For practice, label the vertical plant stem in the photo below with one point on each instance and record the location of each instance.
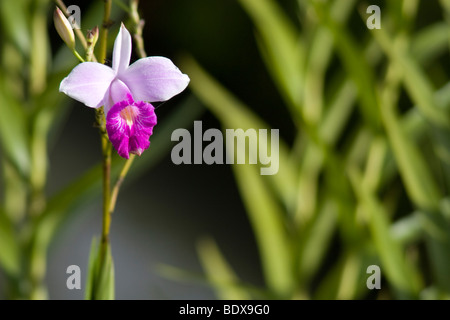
(139, 25)
(106, 146)
(104, 32)
(110, 198)
(119, 182)
(106, 152)
(106, 216)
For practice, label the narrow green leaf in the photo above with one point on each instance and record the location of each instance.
(408, 229)
(49, 111)
(100, 277)
(331, 127)
(445, 4)
(181, 275)
(349, 276)
(315, 239)
(319, 56)
(14, 193)
(415, 127)
(104, 287)
(375, 163)
(9, 248)
(429, 42)
(281, 46)
(437, 236)
(416, 82)
(14, 20)
(354, 62)
(329, 285)
(397, 269)
(440, 261)
(346, 279)
(39, 48)
(219, 272)
(266, 218)
(92, 267)
(413, 169)
(431, 293)
(337, 114)
(13, 131)
(308, 183)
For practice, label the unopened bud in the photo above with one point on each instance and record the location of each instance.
(92, 36)
(64, 28)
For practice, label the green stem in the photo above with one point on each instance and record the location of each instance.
(106, 220)
(106, 193)
(104, 32)
(110, 198)
(139, 26)
(141, 52)
(119, 182)
(75, 52)
(106, 152)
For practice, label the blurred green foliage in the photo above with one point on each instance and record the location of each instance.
(366, 180)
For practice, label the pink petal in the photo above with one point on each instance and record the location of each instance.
(129, 125)
(88, 83)
(117, 92)
(122, 50)
(154, 79)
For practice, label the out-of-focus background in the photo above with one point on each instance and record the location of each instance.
(363, 117)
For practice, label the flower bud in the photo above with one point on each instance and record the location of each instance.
(64, 28)
(92, 36)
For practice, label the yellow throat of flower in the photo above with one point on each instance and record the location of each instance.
(129, 114)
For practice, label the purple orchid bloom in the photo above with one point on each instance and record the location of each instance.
(125, 92)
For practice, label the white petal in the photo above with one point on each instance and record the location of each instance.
(88, 83)
(117, 92)
(154, 79)
(122, 50)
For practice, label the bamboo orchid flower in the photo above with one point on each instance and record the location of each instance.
(126, 91)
